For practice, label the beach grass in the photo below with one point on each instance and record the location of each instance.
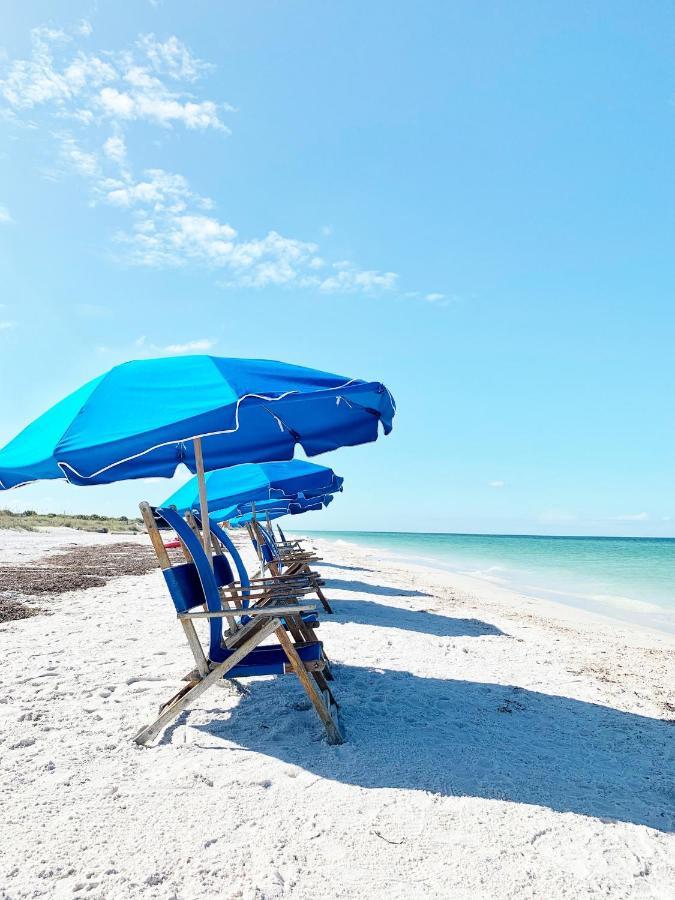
(29, 520)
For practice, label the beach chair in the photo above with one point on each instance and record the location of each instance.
(289, 549)
(277, 564)
(197, 588)
(289, 582)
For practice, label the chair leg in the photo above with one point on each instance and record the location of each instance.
(326, 605)
(319, 593)
(320, 678)
(194, 689)
(304, 569)
(327, 671)
(316, 698)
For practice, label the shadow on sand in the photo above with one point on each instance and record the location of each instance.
(462, 738)
(330, 565)
(368, 612)
(363, 587)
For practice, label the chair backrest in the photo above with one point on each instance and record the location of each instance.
(269, 540)
(227, 543)
(261, 542)
(195, 583)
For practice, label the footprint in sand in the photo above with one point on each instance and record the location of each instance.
(137, 679)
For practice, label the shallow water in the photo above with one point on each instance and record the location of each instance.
(632, 579)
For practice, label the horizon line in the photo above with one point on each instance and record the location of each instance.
(595, 537)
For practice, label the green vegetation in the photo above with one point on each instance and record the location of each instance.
(29, 520)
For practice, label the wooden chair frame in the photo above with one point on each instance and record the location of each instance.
(297, 564)
(267, 612)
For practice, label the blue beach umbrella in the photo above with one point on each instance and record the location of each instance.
(295, 479)
(272, 509)
(144, 418)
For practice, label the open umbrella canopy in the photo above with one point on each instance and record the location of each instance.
(141, 419)
(295, 479)
(274, 509)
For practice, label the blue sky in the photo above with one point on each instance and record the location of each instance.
(472, 203)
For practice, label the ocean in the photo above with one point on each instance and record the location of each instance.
(631, 579)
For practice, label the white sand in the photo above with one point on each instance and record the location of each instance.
(497, 747)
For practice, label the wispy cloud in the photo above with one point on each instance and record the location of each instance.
(630, 517)
(435, 298)
(7, 326)
(496, 483)
(165, 222)
(5, 217)
(116, 149)
(144, 347)
(201, 346)
(144, 82)
(349, 279)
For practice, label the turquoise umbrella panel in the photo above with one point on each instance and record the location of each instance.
(252, 481)
(140, 419)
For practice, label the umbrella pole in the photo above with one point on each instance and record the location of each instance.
(255, 532)
(203, 502)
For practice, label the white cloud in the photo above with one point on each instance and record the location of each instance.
(39, 81)
(350, 279)
(172, 58)
(496, 484)
(146, 348)
(7, 326)
(201, 346)
(5, 217)
(165, 225)
(120, 87)
(84, 163)
(116, 149)
(153, 104)
(630, 517)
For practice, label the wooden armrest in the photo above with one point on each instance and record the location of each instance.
(232, 594)
(281, 580)
(288, 610)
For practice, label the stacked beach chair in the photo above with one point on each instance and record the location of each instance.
(242, 614)
(293, 559)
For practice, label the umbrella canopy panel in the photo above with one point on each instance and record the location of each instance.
(257, 481)
(141, 419)
(273, 509)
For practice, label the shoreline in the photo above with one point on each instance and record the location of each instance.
(566, 605)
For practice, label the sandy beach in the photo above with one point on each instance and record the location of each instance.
(496, 746)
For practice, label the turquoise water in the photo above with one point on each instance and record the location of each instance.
(632, 579)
